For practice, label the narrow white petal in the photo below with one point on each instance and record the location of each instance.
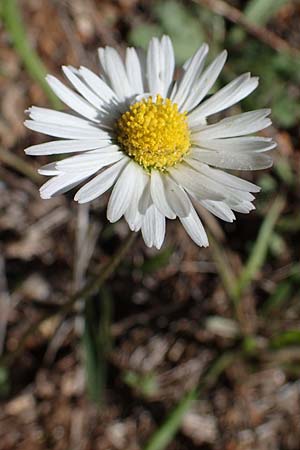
(194, 228)
(153, 67)
(116, 73)
(85, 161)
(221, 182)
(232, 93)
(122, 193)
(62, 183)
(57, 117)
(134, 72)
(205, 82)
(98, 85)
(66, 146)
(167, 63)
(159, 195)
(238, 125)
(223, 177)
(237, 144)
(71, 99)
(177, 198)
(132, 215)
(66, 131)
(219, 209)
(82, 88)
(243, 207)
(201, 186)
(193, 68)
(226, 160)
(101, 183)
(49, 170)
(153, 227)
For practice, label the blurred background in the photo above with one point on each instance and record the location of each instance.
(185, 348)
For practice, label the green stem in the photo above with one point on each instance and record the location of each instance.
(34, 66)
(15, 162)
(165, 434)
(260, 248)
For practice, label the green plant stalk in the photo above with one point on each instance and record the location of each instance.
(96, 343)
(224, 267)
(167, 431)
(14, 25)
(165, 434)
(260, 248)
(15, 162)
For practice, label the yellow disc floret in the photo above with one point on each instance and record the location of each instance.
(154, 134)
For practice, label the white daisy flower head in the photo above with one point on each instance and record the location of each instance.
(150, 138)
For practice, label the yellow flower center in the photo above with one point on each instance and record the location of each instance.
(154, 134)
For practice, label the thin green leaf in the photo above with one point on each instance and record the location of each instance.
(260, 248)
(167, 431)
(165, 434)
(291, 337)
(97, 343)
(34, 66)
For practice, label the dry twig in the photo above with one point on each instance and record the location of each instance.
(261, 33)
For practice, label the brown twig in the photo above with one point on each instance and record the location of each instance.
(236, 16)
(102, 274)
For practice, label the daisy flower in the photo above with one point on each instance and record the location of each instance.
(151, 139)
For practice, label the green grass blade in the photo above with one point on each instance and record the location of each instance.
(165, 434)
(14, 25)
(167, 431)
(260, 248)
(96, 342)
(224, 267)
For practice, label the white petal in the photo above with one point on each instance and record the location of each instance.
(205, 83)
(238, 125)
(115, 72)
(219, 209)
(71, 99)
(57, 117)
(158, 194)
(101, 183)
(237, 144)
(193, 68)
(226, 160)
(88, 160)
(153, 227)
(153, 67)
(66, 131)
(235, 91)
(132, 215)
(82, 88)
(177, 198)
(62, 183)
(49, 170)
(201, 186)
(194, 228)
(224, 178)
(122, 193)
(134, 72)
(160, 65)
(167, 61)
(244, 207)
(98, 85)
(68, 146)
